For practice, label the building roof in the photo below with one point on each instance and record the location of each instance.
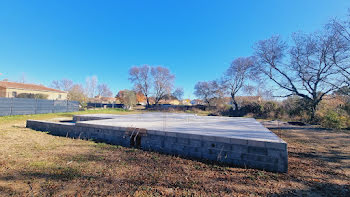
(26, 86)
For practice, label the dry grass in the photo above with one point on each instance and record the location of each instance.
(38, 164)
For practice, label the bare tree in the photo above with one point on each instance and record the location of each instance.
(236, 76)
(308, 70)
(178, 93)
(23, 78)
(63, 84)
(55, 84)
(163, 82)
(77, 93)
(141, 78)
(104, 91)
(90, 86)
(207, 91)
(342, 28)
(66, 84)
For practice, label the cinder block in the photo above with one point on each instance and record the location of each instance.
(234, 155)
(78, 129)
(170, 140)
(194, 152)
(195, 143)
(239, 148)
(224, 146)
(256, 143)
(257, 150)
(90, 130)
(179, 149)
(277, 153)
(162, 133)
(238, 141)
(223, 139)
(212, 154)
(156, 138)
(94, 135)
(168, 146)
(170, 134)
(274, 153)
(276, 145)
(183, 135)
(145, 144)
(184, 141)
(195, 137)
(208, 138)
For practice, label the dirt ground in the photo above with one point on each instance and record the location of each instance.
(35, 163)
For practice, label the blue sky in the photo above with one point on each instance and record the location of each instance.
(196, 40)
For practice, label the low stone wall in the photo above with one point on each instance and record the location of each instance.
(87, 118)
(270, 156)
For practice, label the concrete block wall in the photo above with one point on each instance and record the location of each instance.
(270, 156)
(87, 118)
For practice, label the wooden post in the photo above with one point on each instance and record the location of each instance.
(11, 106)
(36, 106)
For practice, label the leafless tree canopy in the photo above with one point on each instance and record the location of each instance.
(207, 90)
(342, 28)
(91, 86)
(163, 82)
(178, 93)
(236, 76)
(63, 84)
(141, 78)
(104, 91)
(309, 68)
(147, 79)
(23, 78)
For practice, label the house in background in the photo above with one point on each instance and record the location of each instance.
(14, 89)
(186, 102)
(101, 99)
(197, 102)
(243, 99)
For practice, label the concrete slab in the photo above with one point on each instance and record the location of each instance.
(226, 127)
(238, 141)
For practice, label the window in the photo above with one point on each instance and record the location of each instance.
(14, 94)
(59, 96)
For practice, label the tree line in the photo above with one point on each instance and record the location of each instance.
(310, 67)
(80, 92)
(149, 83)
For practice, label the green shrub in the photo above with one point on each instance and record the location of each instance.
(333, 120)
(346, 108)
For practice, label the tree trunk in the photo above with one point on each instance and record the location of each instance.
(312, 114)
(313, 105)
(234, 102)
(208, 102)
(147, 105)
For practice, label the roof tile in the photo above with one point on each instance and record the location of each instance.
(26, 86)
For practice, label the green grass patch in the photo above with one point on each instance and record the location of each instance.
(17, 118)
